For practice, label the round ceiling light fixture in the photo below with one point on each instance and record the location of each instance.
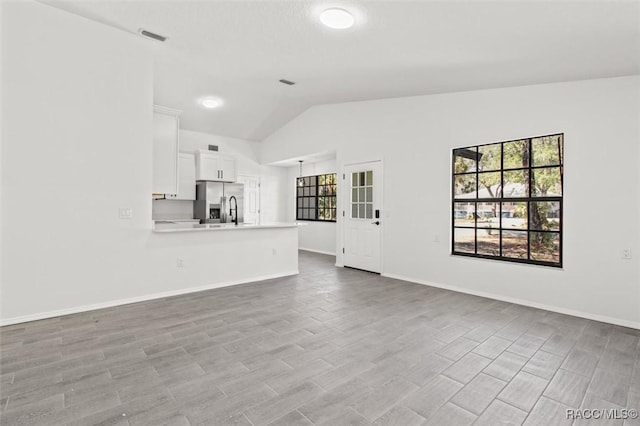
(337, 18)
(211, 103)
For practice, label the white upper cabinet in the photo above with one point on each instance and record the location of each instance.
(228, 169)
(215, 167)
(165, 150)
(186, 177)
(207, 166)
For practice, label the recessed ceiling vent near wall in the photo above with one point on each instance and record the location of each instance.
(287, 82)
(151, 35)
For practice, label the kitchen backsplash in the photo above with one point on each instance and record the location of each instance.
(172, 209)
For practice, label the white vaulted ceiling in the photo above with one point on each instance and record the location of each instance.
(238, 50)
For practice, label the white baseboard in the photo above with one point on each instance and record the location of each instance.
(112, 303)
(558, 309)
(317, 251)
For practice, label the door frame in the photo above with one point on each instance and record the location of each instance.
(345, 199)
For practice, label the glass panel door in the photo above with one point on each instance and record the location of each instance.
(362, 195)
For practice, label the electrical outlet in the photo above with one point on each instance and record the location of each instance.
(274, 251)
(180, 263)
(125, 213)
(436, 238)
(626, 253)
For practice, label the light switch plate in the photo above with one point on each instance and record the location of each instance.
(125, 213)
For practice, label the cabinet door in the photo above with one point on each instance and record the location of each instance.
(227, 169)
(187, 177)
(165, 153)
(207, 167)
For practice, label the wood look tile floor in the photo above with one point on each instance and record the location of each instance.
(331, 346)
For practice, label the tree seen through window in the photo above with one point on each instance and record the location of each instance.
(316, 198)
(507, 200)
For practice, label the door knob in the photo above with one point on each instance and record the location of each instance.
(377, 222)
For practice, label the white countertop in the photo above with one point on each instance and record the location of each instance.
(184, 226)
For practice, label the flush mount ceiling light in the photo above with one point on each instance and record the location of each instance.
(211, 103)
(337, 18)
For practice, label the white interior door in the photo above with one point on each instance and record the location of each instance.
(363, 216)
(251, 198)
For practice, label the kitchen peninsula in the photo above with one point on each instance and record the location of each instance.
(207, 256)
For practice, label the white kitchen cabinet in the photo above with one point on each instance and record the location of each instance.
(186, 177)
(215, 167)
(165, 150)
(228, 169)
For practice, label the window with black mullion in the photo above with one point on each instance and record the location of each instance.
(507, 200)
(316, 198)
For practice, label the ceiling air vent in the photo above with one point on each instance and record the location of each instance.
(287, 82)
(149, 34)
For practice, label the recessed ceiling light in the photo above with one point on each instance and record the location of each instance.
(337, 18)
(211, 103)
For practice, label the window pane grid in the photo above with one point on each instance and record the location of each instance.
(507, 200)
(362, 195)
(316, 198)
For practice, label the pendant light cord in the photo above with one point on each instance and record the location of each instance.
(300, 183)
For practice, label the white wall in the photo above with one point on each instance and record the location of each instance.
(2, 137)
(414, 137)
(313, 236)
(76, 116)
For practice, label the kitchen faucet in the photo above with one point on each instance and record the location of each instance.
(231, 209)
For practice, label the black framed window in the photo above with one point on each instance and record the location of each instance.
(316, 198)
(507, 200)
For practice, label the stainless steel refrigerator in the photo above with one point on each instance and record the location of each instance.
(213, 203)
